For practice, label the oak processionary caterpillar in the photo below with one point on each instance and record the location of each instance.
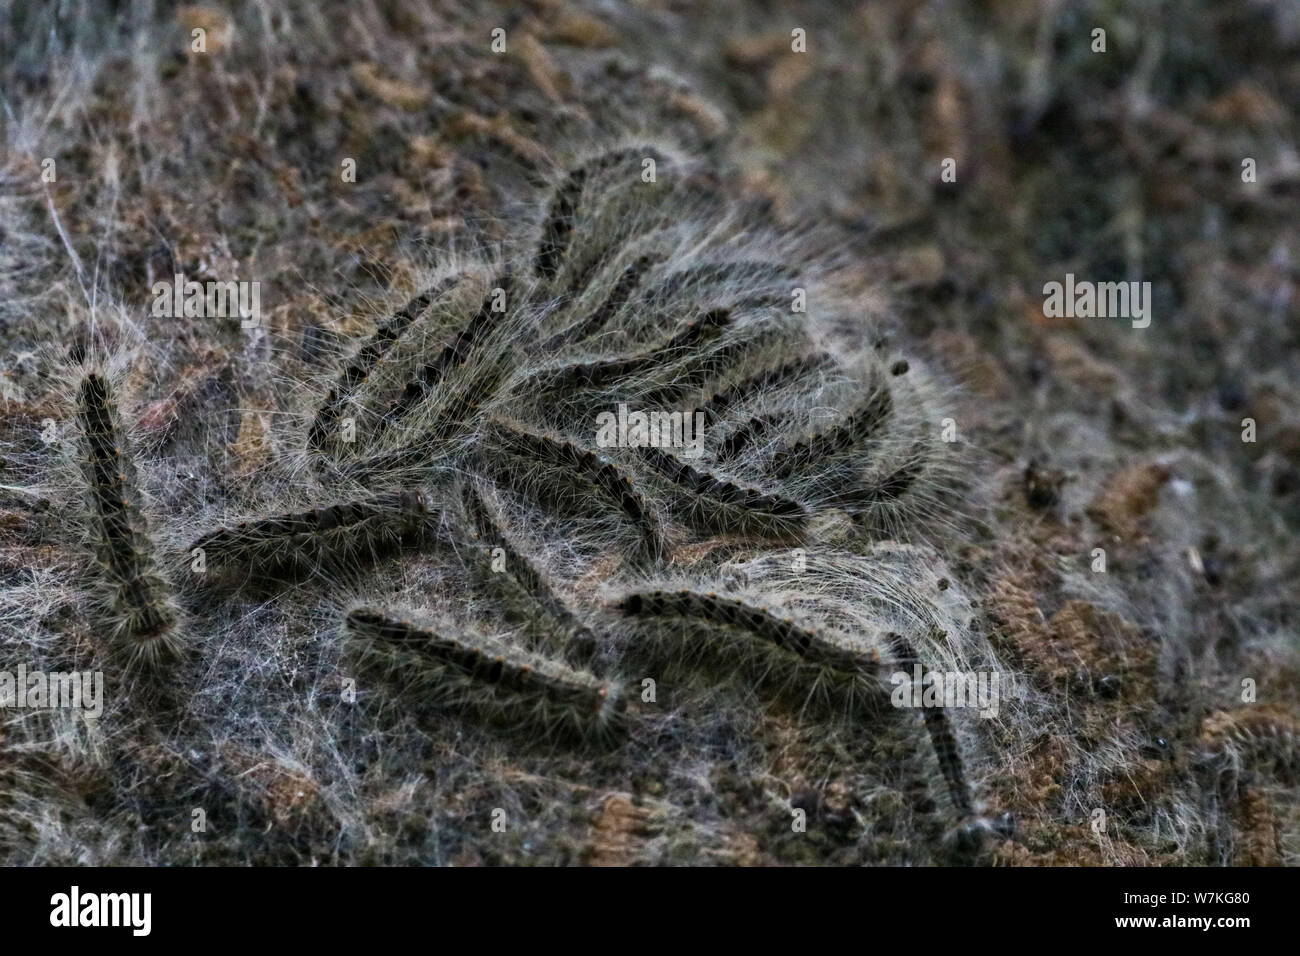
(695, 371)
(883, 488)
(937, 726)
(627, 282)
(555, 483)
(575, 640)
(559, 225)
(811, 667)
(857, 429)
(140, 606)
(498, 683)
(562, 219)
(595, 375)
(633, 293)
(293, 543)
(364, 362)
(762, 383)
(454, 354)
(717, 504)
(1264, 738)
(747, 273)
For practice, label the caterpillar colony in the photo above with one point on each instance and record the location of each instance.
(497, 566)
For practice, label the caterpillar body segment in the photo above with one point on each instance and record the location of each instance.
(557, 231)
(748, 435)
(1259, 737)
(596, 208)
(559, 473)
(588, 376)
(574, 639)
(359, 369)
(884, 488)
(480, 328)
(142, 616)
(595, 321)
(718, 504)
(811, 668)
(463, 400)
(909, 488)
(443, 429)
(738, 284)
(693, 372)
(491, 680)
(335, 535)
(939, 728)
(762, 384)
(858, 428)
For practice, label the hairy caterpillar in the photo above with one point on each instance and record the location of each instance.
(746, 435)
(141, 610)
(558, 228)
(561, 462)
(565, 211)
(575, 638)
(498, 683)
(370, 354)
(891, 485)
(1267, 738)
(771, 650)
(453, 355)
(762, 383)
(607, 243)
(720, 505)
(600, 316)
(876, 500)
(293, 543)
(856, 429)
(695, 371)
(759, 385)
(592, 375)
(941, 735)
(429, 439)
(463, 404)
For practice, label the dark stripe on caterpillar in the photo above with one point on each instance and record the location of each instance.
(453, 355)
(498, 683)
(745, 436)
(577, 640)
(140, 606)
(357, 370)
(563, 460)
(707, 366)
(591, 375)
(773, 650)
(621, 291)
(744, 274)
(859, 427)
(941, 735)
(889, 487)
(296, 542)
(721, 505)
(561, 217)
(762, 383)
(558, 229)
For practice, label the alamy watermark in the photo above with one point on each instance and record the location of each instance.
(625, 429)
(191, 299)
(949, 689)
(39, 691)
(1101, 300)
(73, 909)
